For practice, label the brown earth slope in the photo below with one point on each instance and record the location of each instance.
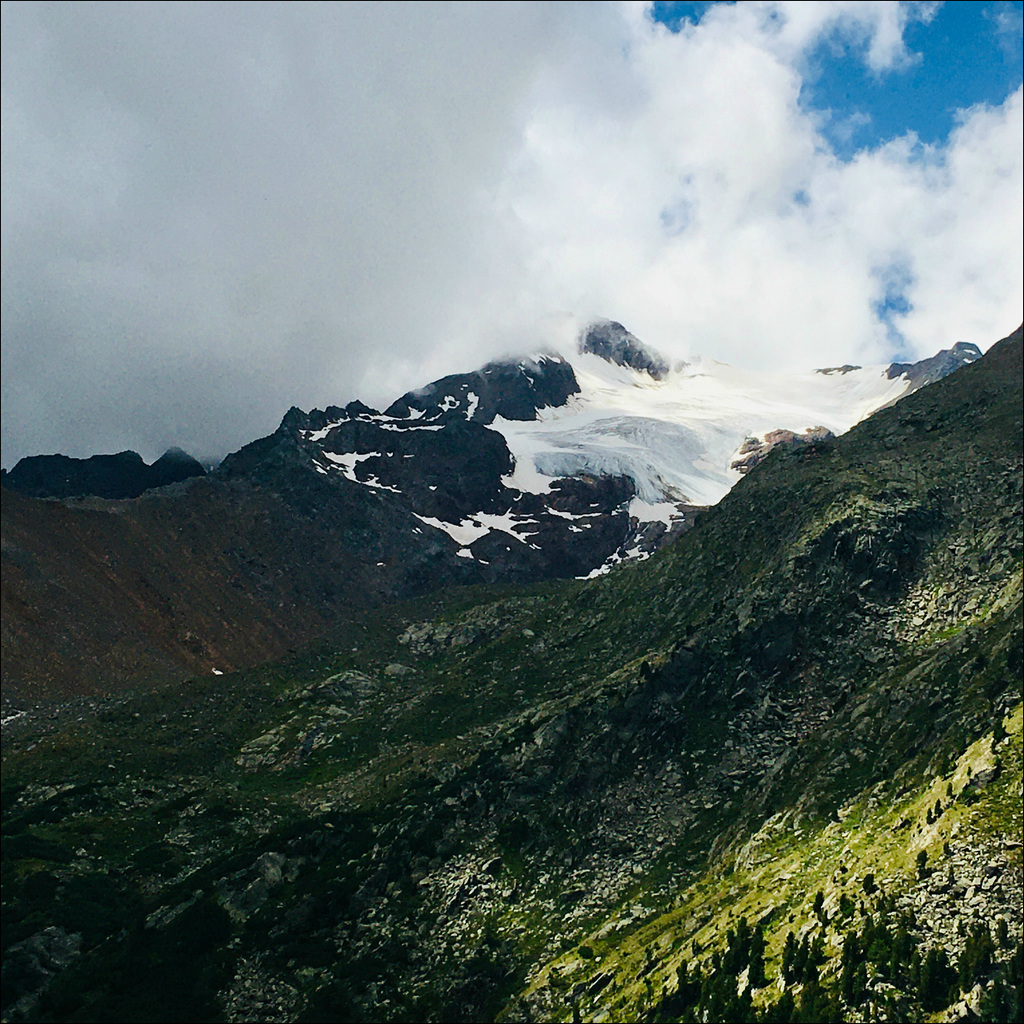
(208, 575)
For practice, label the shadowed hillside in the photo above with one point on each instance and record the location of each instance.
(773, 773)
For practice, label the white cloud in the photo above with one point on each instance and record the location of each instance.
(711, 215)
(211, 214)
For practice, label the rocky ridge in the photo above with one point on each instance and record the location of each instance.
(124, 475)
(523, 471)
(514, 390)
(927, 371)
(611, 341)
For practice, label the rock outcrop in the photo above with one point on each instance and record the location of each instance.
(124, 475)
(611, 341)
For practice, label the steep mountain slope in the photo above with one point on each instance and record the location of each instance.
(522, 471)
(666, 438)
(215, 575)
(584, 800)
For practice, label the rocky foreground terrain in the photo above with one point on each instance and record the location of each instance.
(774, 772)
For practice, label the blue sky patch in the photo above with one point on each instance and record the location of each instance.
(967, 53)
(672, 15)
(895, 280)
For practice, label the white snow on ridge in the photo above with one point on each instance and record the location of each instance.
(374, 482)
(479, 525)
(676, 438)
(319, 435)
(653, 512)
(399, 425)
(463, 533)
(347, 462)
(569, 515)
(506, 523)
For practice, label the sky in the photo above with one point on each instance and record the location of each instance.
(213, 212)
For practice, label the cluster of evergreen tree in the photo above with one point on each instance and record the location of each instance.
(718, 992)
(884, 948)
(1005, 1000)
(801, 960)
(889, 945)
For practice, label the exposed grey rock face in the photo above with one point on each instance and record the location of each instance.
(934, 368)
(754, 450)
(512, 390)
(844, 369)
(611, 341)
(29, 966)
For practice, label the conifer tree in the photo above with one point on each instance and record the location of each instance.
(756, 975)
(789, 953)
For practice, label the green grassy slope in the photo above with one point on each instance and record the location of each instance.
(540, 804)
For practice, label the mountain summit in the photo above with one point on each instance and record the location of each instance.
(610, 340)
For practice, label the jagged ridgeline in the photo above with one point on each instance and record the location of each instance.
(773, 773)
(532, 468)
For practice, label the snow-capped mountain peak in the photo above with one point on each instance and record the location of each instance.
(677, 434)
(577, 463)
(612, 342)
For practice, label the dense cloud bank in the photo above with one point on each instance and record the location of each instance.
(212, 212)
